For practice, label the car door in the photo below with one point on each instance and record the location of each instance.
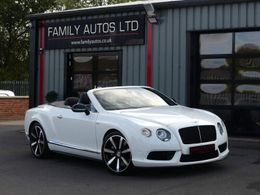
(76, 130)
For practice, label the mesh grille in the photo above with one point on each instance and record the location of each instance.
(222, 147)
(198, 134)
(161, 155)
(199, 157)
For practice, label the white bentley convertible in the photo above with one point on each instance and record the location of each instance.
(125, 127)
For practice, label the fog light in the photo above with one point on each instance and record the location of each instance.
(147, 132)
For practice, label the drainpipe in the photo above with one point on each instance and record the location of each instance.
(41, 62)
(151, 20)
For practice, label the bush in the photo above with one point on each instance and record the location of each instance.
(51, 96)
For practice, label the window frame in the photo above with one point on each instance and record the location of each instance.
(232, 81)
(69, 72)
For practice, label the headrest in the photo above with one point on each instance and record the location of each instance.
(71, 101)
(84, 99)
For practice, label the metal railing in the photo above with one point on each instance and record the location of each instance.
(20, 88)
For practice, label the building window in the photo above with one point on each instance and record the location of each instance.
(215, 69)
(247, 68)
(216, 43)
(229, 77)
(89, 70)
(215, 94)
(247, 42)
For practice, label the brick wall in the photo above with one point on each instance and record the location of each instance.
(13, 108)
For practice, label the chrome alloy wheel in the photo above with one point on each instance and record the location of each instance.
(37, 141)
(116, 153)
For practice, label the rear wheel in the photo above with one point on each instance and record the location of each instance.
(38, 142)
(116, 153)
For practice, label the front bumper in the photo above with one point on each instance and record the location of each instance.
(181, 151)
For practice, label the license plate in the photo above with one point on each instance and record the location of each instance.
(202, 149)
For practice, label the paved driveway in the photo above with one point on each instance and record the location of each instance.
(20, 173)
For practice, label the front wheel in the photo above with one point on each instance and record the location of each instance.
(116, 153)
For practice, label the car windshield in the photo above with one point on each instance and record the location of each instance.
(129, 98)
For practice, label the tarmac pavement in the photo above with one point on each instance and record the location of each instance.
(20, 173)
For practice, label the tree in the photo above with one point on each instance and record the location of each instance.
(70, 4)
(14, 36)
(107, 2)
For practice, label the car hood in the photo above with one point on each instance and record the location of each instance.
(171, 115)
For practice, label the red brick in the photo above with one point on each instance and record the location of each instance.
(13, 108)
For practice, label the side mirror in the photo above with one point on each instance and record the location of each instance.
(80, 108)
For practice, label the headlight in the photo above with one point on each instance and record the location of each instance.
(223, 124)
(147, 132)
(220, 128)
(163, 135)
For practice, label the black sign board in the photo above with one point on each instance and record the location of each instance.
(100, 32)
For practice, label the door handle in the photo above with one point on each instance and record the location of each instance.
(59, 116)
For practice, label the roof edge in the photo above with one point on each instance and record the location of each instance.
(86, 11)
(129, 8)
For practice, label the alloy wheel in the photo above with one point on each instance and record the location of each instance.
(116, 153)
(37, 141)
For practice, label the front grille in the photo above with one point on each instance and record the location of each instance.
(161, 155)
(222, 147)
(198, 134)
(198, 157)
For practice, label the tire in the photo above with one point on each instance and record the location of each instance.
(116, 154)
(38, 142)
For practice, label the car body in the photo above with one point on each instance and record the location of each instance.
(125, 126)
(6, 93)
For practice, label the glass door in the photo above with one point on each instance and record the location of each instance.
(90, 70)
(82, 75)
(228, 79)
